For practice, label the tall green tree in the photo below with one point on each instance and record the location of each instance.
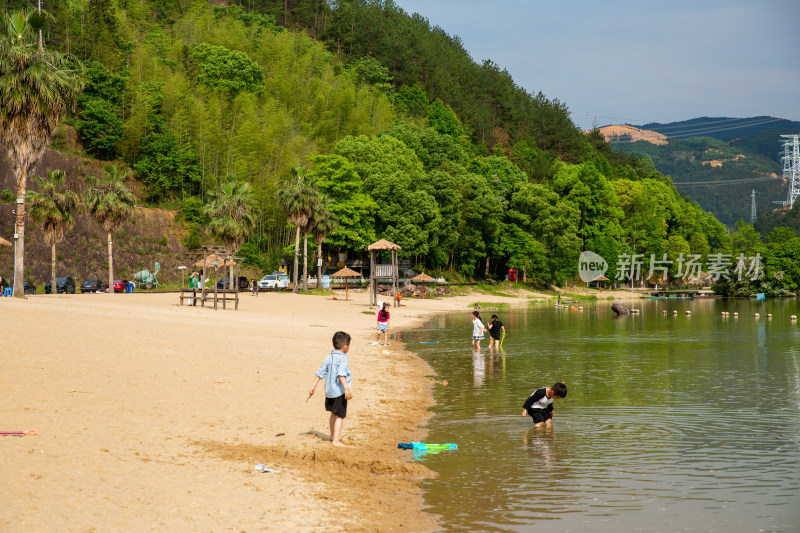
(231, 213)
(320, 222)
(337, 179)
(109, 203)
(298, 197)
(324, 224)
(37, 86)
(52, 207)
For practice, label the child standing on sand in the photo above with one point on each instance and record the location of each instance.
(336, 373)
(539, 405)
(478, 330)
(383, 324)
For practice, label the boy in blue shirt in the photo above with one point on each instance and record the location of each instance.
(336, 373)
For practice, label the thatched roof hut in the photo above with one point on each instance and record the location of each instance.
(383, 244)
(422, 278)
(376, 271)
(346, 273)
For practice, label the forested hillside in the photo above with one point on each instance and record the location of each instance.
(732, 170)
(388, 118)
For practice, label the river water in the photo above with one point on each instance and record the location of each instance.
(672, 422)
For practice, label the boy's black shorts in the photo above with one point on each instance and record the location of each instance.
(337, 406)
(539, 415)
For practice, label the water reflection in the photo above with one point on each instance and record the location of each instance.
(478, 369)
(672, 421)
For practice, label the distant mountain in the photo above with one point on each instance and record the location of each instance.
(734, 155)
(723, 128)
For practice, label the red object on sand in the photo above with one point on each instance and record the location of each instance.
(31, 432)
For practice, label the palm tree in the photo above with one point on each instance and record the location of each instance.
(110, 203)
(232, 214)
(298, 197)
(36, 87)
(52, 209)
(326, 222)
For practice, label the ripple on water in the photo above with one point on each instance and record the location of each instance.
(669, 425)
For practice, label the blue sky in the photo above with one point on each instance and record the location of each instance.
(637, 61)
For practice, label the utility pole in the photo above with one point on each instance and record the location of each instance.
(791, 166)
(753, 207)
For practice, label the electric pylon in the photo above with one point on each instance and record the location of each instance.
(791, 166)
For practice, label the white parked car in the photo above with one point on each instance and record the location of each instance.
(276, 280)
(270, 281)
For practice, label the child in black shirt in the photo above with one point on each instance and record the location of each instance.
(539, 405)
(496, 332)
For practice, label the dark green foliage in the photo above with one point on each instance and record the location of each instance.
(442, 119)
(167, 169)
(191, 211)
(227, 70)
(430, 146)
(767, 221)
(194, 240)
(336, 178)
(252, 256)
(100, 110)
(368, 70)
(538, 164)
(412, 101)
(259, 20)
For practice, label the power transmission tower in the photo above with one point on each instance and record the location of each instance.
(791, 166)
(753, 207)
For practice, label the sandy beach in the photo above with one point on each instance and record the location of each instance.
(152, 416)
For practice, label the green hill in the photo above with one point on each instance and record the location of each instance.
(732, 170)
(407, 136)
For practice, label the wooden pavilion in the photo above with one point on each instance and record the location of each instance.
(212, 257)
(383, 271)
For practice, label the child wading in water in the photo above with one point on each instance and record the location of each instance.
(383, 324)
(496, 332)
(336, 373)
(539, 405)
(478, 330)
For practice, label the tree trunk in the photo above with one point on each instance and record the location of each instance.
(110, 266)
(53, 286)
(19, 230)
(296, 255)
(305, 262)
(319, 264)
